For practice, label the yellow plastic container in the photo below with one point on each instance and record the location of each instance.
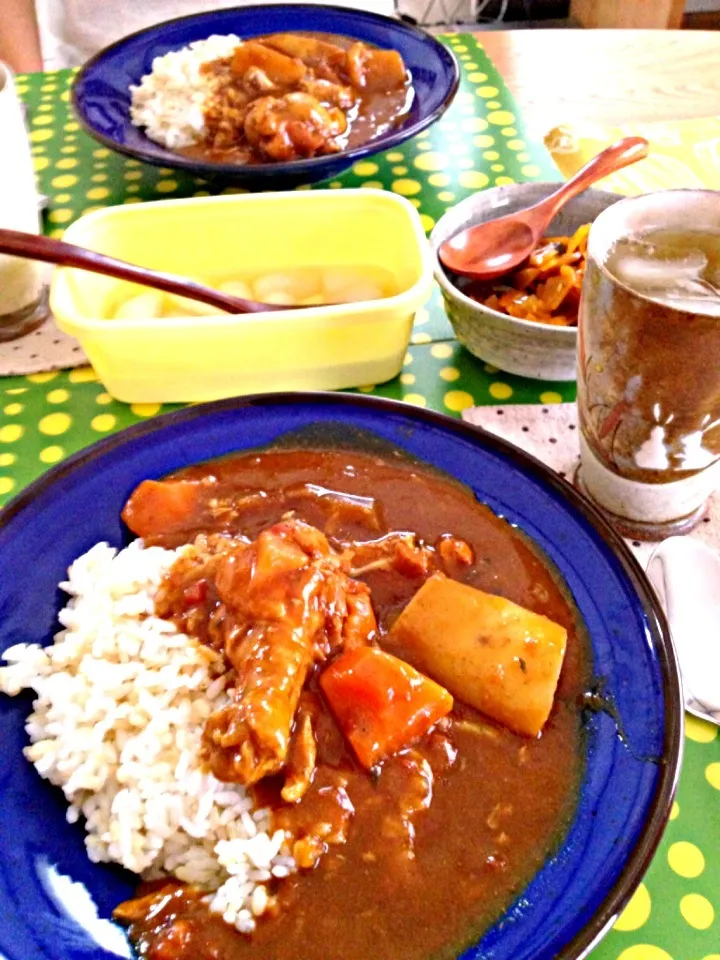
(205, 358)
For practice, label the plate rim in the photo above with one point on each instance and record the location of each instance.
(292, 168)
(651, 833)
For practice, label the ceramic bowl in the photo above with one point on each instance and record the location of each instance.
(101, 94)
(528, 349)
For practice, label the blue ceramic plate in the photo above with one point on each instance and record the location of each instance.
(101, 95)
(54, 903)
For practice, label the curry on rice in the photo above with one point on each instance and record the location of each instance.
(277, 98)
(404, 677)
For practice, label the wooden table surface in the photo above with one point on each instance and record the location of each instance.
(608, 76)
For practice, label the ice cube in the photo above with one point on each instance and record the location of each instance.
(640, 272)
(697, 296)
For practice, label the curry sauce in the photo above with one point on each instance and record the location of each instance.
(425, 850)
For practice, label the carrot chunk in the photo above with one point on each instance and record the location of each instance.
(159, 507)
(381, 703)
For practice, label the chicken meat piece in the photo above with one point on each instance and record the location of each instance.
(456, 555)
(302, 757)
(286, 604)
(322, 822)
(330, 94)
(338, 507)
(374, 70)
(402, 552)
(257, 83)
(295, 126)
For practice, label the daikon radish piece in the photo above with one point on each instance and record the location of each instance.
(184, 307)
(295, 284)
(280, 298)
(355, 284)
(236, 288)
(359, 292)
(487, 651)
(176, 306)
(147, 305)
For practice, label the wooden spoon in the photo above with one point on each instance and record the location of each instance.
(488, 250)
(30, 246)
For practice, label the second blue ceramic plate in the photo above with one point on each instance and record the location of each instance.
(55, 904)
(101, 93)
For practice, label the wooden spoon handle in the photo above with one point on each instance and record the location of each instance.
(33, 247)
(613, 158)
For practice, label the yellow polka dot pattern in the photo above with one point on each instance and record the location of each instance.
(103, 422)
(686, 859)
(11, 432)
(52, 454)
(480, 142)
(701, 731)
(55, 424)
(637, 912)
(644, 951)
(458, 400)
(406, 188)
(500, 391)
(697, 911)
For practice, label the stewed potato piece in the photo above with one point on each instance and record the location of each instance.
(491, 653)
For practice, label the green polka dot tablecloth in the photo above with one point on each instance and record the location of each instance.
(675, 914)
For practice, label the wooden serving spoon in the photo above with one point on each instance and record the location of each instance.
(30, 246)
(488, 250)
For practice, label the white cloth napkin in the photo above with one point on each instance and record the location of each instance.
(689, 591)
(550, 433)
(686, 576)
(46, 348)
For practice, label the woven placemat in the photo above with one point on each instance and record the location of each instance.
(46, 348)
(550, 433)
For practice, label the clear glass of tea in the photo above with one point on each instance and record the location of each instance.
(23, 293)
(649, 362)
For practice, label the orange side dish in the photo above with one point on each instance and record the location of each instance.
(547, 289)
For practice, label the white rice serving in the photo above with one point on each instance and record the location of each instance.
(122, 700)
(169, 102)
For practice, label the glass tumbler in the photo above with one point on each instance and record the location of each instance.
(23, 293)
(649, 366)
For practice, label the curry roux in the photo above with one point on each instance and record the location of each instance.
(501, 803)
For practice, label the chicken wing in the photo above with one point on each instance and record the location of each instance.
(288, 604)
(294, 126)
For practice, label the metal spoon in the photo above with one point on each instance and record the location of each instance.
(33, 247)
(686, 577)
(488, 250)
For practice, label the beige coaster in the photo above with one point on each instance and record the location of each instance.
(551, 434)
(46, 348)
